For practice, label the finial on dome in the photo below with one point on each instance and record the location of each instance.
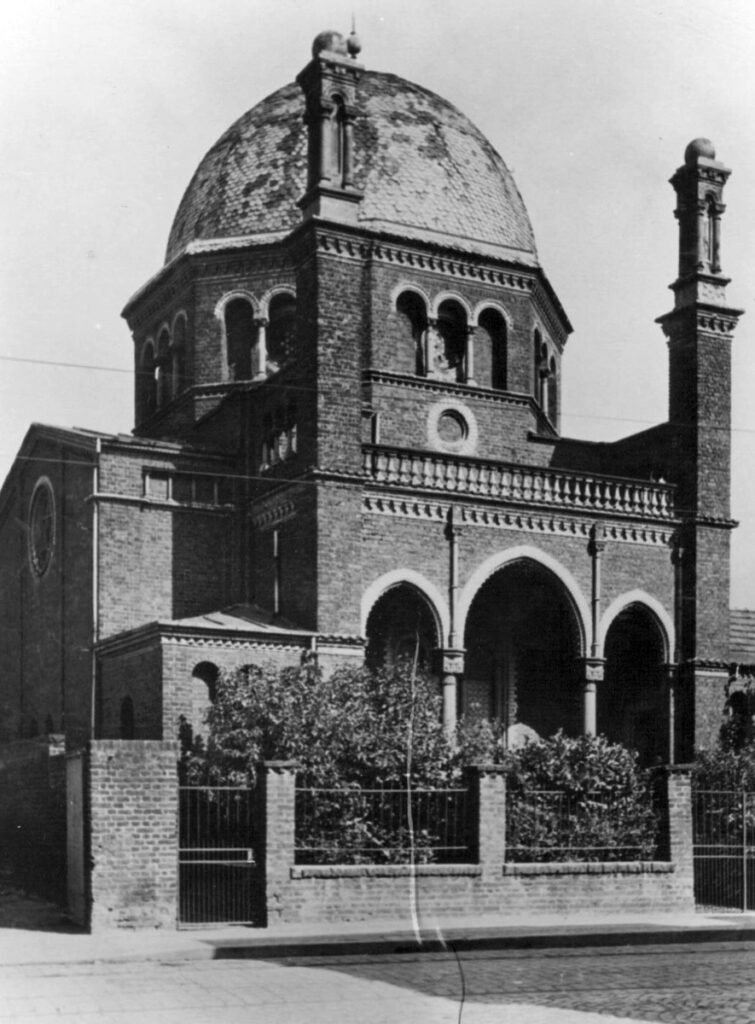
(698, 148)
(353, 43)
(331, 41)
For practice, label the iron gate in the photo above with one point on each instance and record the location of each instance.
(219, 876)
(724, 849)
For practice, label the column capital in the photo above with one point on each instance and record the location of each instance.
(449, 661)
(593, 669)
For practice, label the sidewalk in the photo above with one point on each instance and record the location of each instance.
(35, 932)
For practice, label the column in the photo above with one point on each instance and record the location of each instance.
(260, 348)
(449, 666)
(469, 356)
(594, 665)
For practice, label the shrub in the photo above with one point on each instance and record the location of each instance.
(578, 799)
(354, 727)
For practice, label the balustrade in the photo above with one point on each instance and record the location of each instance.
(530, 485)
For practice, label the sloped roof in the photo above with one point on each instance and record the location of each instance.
(742, 636)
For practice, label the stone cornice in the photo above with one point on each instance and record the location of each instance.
(442, 388)
(524, 521)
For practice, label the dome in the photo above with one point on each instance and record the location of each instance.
(425, 170)
(697, 148)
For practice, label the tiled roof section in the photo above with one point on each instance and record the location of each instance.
(742, 636)
(422, 165)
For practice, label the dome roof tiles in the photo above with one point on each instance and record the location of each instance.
(425, 170)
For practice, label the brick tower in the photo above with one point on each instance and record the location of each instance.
(699, 331)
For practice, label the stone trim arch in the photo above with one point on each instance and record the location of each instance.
(497, 307)
(436, 602)
(447, 296)
(651, 604)
(405, 286)
(520, 552)
(235, 293)
(181, 314)
(269, 295)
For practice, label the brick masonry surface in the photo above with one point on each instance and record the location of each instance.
(133, 842)
(333, 893)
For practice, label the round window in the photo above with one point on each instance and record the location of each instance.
(452, 427)
(41, 526)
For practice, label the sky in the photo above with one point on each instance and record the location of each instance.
(107, 108)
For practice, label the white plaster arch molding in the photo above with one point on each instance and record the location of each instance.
(652, 604)
(180, 315)
(236, 293)
(526, 551)
(407, 286)
(436, 602)
(496, 307)
(278, 289)
(451, 297)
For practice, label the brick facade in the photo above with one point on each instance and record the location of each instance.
(332, 893)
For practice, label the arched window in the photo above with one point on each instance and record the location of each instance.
(281, 331)
(338, 142)
(178, 357)
(490, 350)
(413, 318)
(552, 392)
(148, 381)
(127, 719)
(204, 692)
(163, 369)
(449, 356)
(400, 624)
(240, 338)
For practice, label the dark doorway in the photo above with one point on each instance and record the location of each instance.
(632, 699)
(522, 642)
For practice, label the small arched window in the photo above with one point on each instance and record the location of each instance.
(449, 358)
(240, 338)
(338, 142)
(127, 726)
(148, 381)
(163, 369)
(552, 406)
(281, 331)
(413, 315)
(491, 355)
(178, 357)
(208, 674)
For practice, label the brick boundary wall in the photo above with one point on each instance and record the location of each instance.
(132, 816)
(33, 814)
(333, 893)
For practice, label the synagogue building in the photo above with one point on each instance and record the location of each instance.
(347, 445)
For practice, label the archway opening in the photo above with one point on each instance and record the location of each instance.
(281, 331)
(449, 361)
(490, 350)
(522, 643)
(240, 338)
(412, 318)
(401, 622)
(632, 699)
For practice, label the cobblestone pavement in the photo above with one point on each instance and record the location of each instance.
(685, 984)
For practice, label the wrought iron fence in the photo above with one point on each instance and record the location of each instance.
(384, 825)
(219, 880)
(551, 825)
(724, 849)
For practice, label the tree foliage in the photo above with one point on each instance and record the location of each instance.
(354, 726)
